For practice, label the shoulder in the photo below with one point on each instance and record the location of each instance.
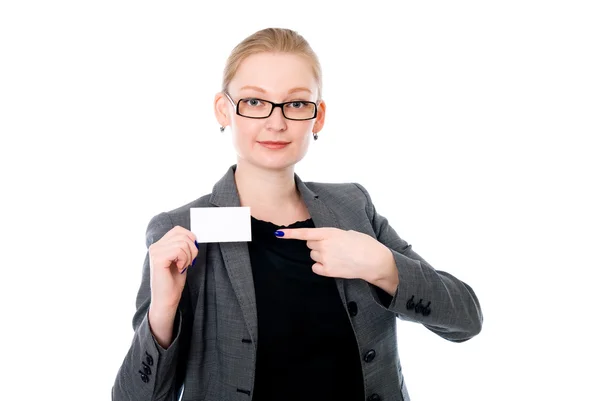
(161, 223)
(349, 202)
(183, 210)
(346, 193)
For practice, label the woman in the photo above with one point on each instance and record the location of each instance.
(307, 309)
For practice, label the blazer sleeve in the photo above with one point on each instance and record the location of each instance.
(148, 370)
(436, 299)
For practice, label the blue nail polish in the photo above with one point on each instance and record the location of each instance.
(194, 261)
(197, 246)
(279, 233)
(183, 271)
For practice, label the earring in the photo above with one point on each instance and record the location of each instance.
(222, 128)
(315, 136)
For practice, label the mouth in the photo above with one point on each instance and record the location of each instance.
(274, 144)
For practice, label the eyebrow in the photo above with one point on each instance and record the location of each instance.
(293, 90)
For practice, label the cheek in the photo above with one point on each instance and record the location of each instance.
(247, 130)
(301, 130)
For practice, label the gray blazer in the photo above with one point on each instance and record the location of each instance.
(213, 354)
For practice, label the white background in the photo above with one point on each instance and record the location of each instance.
(474, 126)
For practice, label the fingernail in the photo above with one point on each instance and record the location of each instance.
(279, 233)
(194, 261)
(197, 246)
(183, 271)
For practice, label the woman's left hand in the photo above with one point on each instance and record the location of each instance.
(345, 253)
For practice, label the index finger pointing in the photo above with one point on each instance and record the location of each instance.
(307, 234)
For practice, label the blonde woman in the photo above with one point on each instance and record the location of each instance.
(306, 310)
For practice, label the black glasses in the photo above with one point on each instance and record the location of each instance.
(252, 107)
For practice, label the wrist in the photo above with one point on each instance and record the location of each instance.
(161, 323)
(386, 274)
(161, 311)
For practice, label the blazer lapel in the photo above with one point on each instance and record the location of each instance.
(236, 256)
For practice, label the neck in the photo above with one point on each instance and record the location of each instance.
(266, 189)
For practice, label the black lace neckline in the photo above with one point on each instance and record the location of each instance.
(269, 224)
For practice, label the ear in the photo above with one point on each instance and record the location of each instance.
(320, 120)
(222, 109)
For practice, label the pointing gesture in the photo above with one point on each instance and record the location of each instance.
(345, 253)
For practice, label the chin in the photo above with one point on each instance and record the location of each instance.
(275, 164)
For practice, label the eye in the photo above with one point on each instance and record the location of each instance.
(297, 104)
(252, 102)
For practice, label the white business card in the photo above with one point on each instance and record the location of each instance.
(221, 224)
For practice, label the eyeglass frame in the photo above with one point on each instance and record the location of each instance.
(273, 106)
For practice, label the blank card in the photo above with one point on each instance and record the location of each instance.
(221, 224)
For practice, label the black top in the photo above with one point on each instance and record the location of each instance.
(307, 349)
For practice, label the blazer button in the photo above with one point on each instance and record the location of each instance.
(426, 310)
(352, 308)
(149, 359)
(410, 304)
(374, 397)
(147, 370)
(419, 306)
(145, 378)
(369, 356)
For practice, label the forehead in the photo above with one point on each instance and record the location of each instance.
(276, 73)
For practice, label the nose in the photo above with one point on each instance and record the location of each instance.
(276, 120)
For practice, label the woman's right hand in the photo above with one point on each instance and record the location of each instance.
(169, 259)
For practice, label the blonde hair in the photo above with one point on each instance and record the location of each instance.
(272, 40)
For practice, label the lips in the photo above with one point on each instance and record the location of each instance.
(274, 144)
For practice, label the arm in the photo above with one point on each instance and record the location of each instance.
(438, 300)
(148, 370)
